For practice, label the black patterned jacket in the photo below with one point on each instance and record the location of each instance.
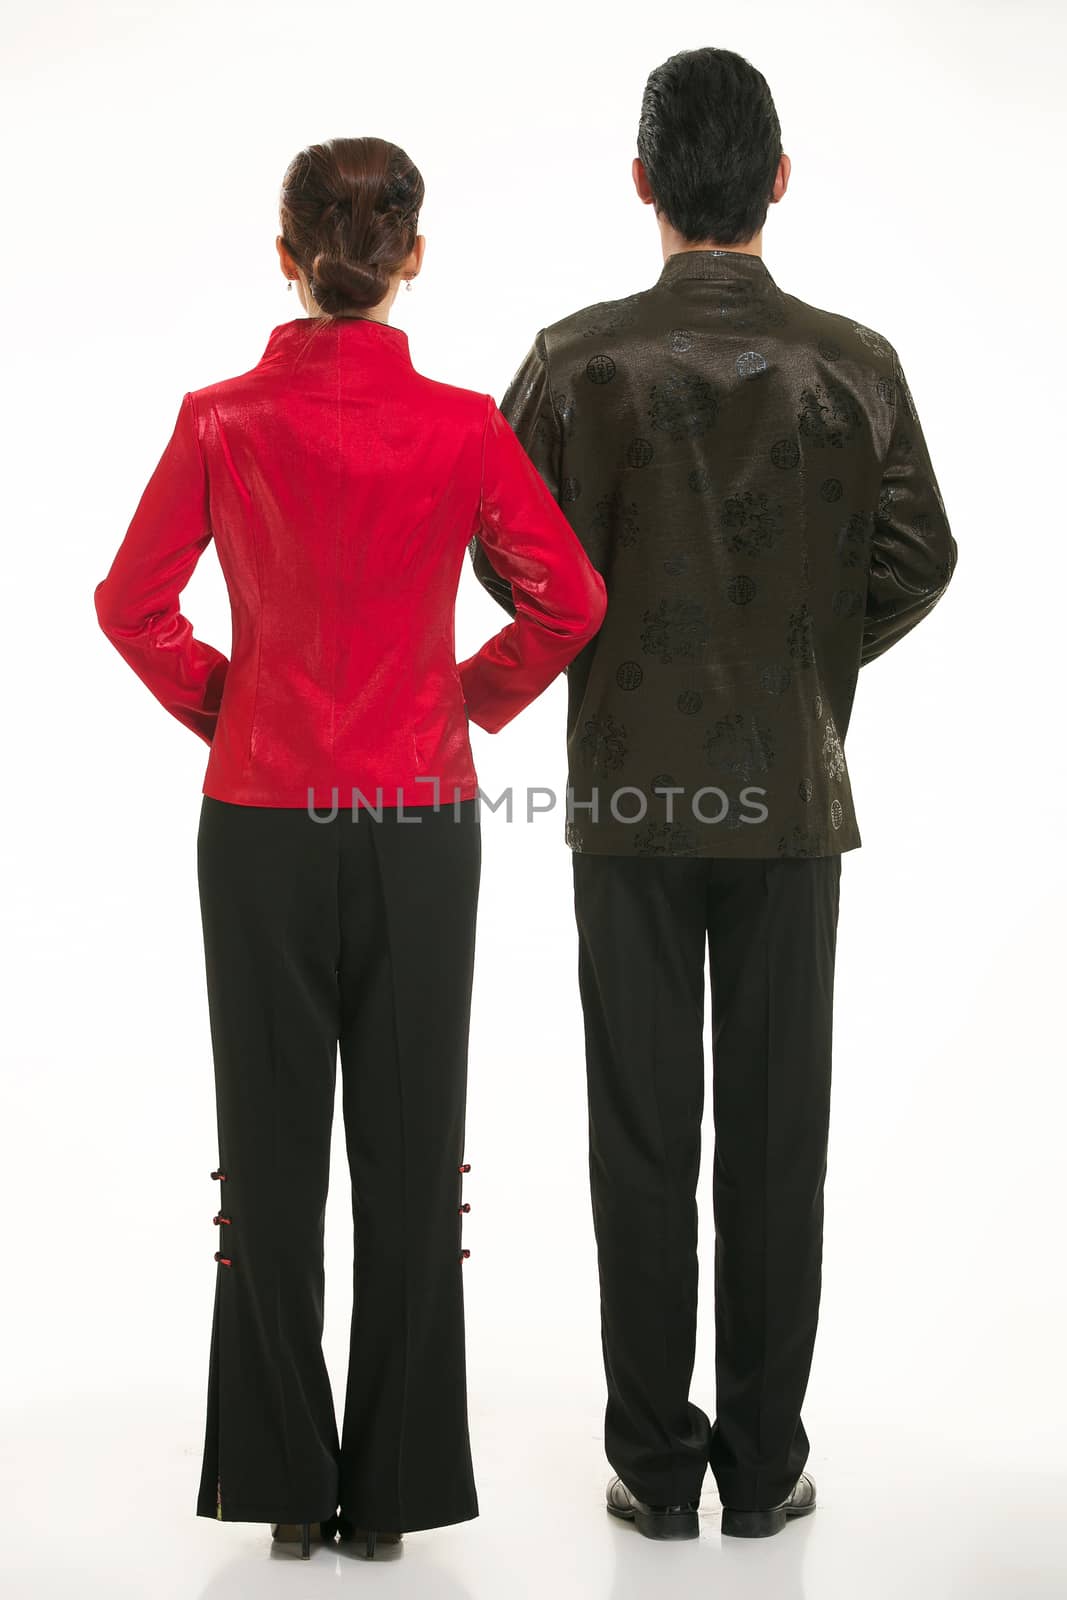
(749, 475)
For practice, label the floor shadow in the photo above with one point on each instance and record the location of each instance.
(251, 1574)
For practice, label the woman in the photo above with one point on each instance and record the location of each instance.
(339, 846)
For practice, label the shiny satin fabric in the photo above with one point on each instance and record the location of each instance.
(342, 488)
(750, 476)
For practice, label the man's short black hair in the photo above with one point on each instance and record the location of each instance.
(710, 142)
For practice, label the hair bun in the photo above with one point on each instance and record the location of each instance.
(339, 283)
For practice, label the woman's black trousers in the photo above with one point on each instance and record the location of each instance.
(359, 933)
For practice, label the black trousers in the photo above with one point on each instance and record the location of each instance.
(770, 929)
(357, 934)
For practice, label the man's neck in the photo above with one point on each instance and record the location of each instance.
(675, 243)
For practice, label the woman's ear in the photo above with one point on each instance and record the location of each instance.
(413, 265)
(289, 267)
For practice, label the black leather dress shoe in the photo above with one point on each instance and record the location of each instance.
(655, 1522)
(760, 1524)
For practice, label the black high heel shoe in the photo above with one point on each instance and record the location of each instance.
(290, 1532)
(346, 1529)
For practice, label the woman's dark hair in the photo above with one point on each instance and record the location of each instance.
(710, 142)
(349, 213)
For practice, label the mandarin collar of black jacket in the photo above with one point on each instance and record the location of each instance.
(315, 339)
(718, 265)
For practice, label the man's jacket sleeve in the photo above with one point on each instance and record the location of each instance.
(913, 553)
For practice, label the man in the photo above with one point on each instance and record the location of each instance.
(749, 475)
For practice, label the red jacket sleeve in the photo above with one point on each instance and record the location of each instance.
(558, 594)
(137, 603)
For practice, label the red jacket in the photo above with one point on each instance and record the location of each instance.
(341, 488)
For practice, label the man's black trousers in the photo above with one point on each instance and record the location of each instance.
(356, 934)
(770, 928)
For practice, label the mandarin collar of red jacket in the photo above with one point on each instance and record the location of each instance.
(312, 340)
(715, 264)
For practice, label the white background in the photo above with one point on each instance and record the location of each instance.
(143, 153)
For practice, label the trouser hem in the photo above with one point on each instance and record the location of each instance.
(422, 1520)
(259, 1511)
(743, 1492)
(656, 1497)
(392, 1521)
